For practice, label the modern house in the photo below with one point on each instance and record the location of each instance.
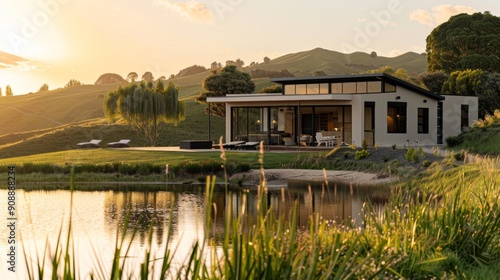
(377, 108)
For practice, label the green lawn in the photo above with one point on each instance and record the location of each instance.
(101, 156)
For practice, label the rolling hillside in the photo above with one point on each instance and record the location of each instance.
(58, 119)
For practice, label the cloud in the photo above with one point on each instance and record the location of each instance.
(192, 10)
(14, 62)
(439, 14)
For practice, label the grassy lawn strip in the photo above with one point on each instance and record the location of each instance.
(76, 157)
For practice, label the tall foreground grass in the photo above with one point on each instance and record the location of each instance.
(443, 225)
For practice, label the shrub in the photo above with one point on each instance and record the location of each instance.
(364, 144)
(394, 146)
(362, 154)
(453, 141)
(459, 156)
(426, 163)
(412, 155)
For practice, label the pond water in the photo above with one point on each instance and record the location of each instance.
(97, 215)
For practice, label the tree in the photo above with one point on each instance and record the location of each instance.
(109, 78)
(228, 80)
(434, 80)
(400, 73)
(267, 59)
(8, 91)
(72, 83)
(465, 42)
(239, 63)
(146, 108)
(132, 77)
(148, 77)
(44, 87)
(272, 89)
(373, 54)
(215, 65)
(485, 85)
(0, 91)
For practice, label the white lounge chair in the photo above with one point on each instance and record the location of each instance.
(327, 140)
(94, 143)
(120, 144)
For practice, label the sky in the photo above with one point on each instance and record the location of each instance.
(53, 41)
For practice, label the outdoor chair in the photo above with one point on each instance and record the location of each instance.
(327, 140)
(91, 144)
(120, 144)
(231, 145)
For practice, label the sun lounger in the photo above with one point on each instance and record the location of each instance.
(120, 144)
(91, 144)
(247, 146)
(231, 145)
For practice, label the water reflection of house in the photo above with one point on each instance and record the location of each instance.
(377, 108)
(336, 206)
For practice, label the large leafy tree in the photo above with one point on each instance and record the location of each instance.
(109, 78)
(465, 42)
(44, 87)
(73, 83)
(483, 84)
(228, 80)
(434, 80)
(146, 108)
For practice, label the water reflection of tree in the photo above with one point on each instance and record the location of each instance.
(142, 209)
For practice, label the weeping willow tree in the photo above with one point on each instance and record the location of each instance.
(146, 108)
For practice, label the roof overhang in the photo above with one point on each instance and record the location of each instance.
(271, 97)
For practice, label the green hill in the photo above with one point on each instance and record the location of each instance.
(58, 119)
(332, 63)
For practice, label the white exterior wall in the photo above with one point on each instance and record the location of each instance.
(413, 102)
(452, 113)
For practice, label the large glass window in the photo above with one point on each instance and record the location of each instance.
(361, 87)
(312, 88)
(300, 89)
(390, 87)
(349, 88)
(323, 88)
(423, 120)
(464, 116)
(396, 117)
(289, 89)
(374, 87)
(336, 87)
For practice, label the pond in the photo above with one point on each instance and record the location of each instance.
(97, 215)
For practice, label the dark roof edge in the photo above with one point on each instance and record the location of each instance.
(357, 77)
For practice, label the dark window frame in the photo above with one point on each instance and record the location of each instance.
(399, 117)
(423, 120)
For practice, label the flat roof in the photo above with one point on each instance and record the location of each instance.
(358, 78)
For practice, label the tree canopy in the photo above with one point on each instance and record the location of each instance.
(72, 83)
(44, 87)
(148, 76)
(146, 108)
(109, 78)
(228, 80)
(132, 77)
(8, 91)
(465, 42)
(483, 84)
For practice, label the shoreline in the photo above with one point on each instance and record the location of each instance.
(280, 177)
